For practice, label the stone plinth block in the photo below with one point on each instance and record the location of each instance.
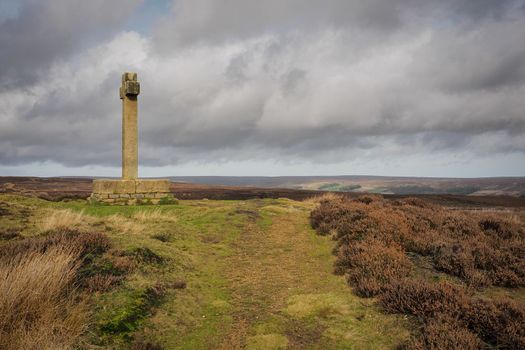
(114, 186)
(152, 186)
(139, 191)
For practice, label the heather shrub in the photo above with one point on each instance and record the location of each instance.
(454, 259)
(480, 249)
(371, 265)
(425, 300)
(86, 243)
(501, 228)
(328, 215)
(426, 242)
(443, 334)
(369, 198)
(459, 226)
(499, 322)
(416, 202)
(373, 236)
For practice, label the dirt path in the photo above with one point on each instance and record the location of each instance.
(283, 291)
(263, 271)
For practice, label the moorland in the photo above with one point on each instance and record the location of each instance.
(314, 271)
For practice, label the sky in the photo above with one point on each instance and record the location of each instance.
(265, 88)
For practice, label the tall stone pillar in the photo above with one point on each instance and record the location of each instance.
(130, 189)
(129, 92)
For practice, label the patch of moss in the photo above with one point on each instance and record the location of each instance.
(146, 255)
(122, 322)
(168, 200)
(100, 266)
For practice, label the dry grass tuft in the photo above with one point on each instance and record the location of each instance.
(62, 220)
(42, 305)
(38, 303)
(153, 215)
(325, 197)
(123, 225)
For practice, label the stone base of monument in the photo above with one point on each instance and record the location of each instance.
(129, 192)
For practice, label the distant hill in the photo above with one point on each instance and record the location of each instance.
(296, 187)
(514, 186)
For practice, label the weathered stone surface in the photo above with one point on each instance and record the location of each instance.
(129, 76)
(128, 93)
(132, 88)
(152, 185)
(110, 186)
(132, 198)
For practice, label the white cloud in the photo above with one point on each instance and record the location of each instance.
(321, 87)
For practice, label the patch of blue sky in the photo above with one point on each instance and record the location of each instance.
(146, 14)
(9, 9)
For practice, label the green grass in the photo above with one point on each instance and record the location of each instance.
(337, 187)
(256, 276)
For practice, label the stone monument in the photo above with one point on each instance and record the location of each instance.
(130, 189)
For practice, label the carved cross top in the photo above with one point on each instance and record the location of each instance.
(130, 86)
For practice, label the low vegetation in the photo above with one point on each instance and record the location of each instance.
(386, 249)
(253, 274)
(193, 275)
(61, 220)
(41, 304)
(337, 187)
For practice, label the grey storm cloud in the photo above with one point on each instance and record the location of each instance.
(245, 79)
(211, 20)
(49, 30)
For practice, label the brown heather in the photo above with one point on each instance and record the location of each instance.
(442, 334)
(425, 300)
(85, 243)
(371, 265)
(374, 239)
